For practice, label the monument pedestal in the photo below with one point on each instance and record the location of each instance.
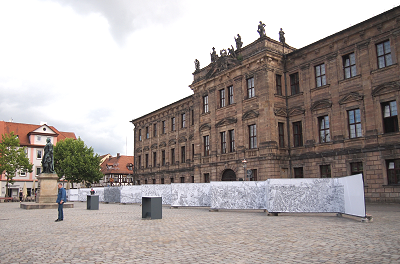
(48, 187)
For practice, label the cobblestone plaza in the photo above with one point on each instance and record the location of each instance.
(117, 234)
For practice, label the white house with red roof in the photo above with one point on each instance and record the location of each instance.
(33, 137)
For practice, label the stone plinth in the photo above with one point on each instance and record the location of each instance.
(29, 206)
(48, 188)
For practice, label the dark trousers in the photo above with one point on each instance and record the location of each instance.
(60, 212)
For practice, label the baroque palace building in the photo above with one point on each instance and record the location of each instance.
(268, 110)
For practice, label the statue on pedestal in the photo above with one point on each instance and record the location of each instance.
(261, 29)
(281, 36)
(48, 158)
(197, 64)
(214, 55)
(238, 41)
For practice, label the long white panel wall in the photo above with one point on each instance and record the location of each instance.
(339, 195)
(192, 194)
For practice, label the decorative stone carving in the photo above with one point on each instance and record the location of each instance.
(163, 144)
(154, 146)
(321, 104)
(172, 142)
(197, 65)
(191, 136)
(238, 41)
(226, 121)
(350, 97)
(146, 148)
(296, 111)
(261, 29)
(214, 55)
(280, 112)
(205, 127)
(250, 114)
(182, 139)
(281, 36)
(386, 88)
(138, 150)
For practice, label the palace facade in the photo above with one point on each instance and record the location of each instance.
(268, 110)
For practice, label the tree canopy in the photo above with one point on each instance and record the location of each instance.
(76, 162)
(13, 158)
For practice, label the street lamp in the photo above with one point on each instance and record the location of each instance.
(244, 162)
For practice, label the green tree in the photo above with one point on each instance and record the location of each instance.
(76, 162)
(12, 158)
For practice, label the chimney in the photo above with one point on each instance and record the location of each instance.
(118, 155)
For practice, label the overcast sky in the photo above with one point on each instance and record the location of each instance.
(91, 66)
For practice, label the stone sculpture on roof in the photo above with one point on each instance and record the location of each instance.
(238, 41)
(261, 29)
(281, 36)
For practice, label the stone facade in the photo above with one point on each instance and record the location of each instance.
(326, 110)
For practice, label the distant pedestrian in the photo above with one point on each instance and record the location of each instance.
(61, 198)
(21, 195)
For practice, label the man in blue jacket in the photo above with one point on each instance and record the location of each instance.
(61, 198)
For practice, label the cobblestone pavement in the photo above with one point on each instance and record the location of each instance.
(117, 234)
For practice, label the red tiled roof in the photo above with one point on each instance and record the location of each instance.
(117, 165)
(23, 131)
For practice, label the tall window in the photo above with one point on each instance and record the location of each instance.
(390, 122)
(163, 157)
(39, 154)
(324, 134)
(162, 180)
(281, 135)
(182, 179)
(222, 98)
(206, 177)
(223, 142)
(354, 123)
(356, 168)
(172, 156)
(183, 117)
(140, 135)
(140, 162)
(164, 128)
(154, 181)
(155, 130)
(173, 124)
(147, 132)
(38, 170)
(231, 140)
(206, 143)
(183, 154)
(349, 66)
(147, 160)
(298, 172)
(278, 81)
(252, 174)
(230, 95)
(192, 151)
(297, 134)
(192, 117)
(384, 54)
(294, 83)
(325, 171)
(252, 136)
(154, 159)
(320, 77)
(393, 171)
(250, 88)
(205, 104)
(172, 180)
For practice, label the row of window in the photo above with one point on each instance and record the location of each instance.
(392, 168)
(384, 58)
(390, 124)
(183, 124)
(163, 157)
(162, 180)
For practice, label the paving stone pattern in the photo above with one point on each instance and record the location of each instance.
(116, 233)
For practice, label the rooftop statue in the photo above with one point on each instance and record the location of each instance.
(238, 41)
(214, 55)
(281, 36)
(197, 64)
(48, 158)
(261, 29)
(231, 52)
(223, 53)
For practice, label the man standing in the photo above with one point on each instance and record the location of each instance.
(61, 198)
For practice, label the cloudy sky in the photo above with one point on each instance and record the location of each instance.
(91, 66)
